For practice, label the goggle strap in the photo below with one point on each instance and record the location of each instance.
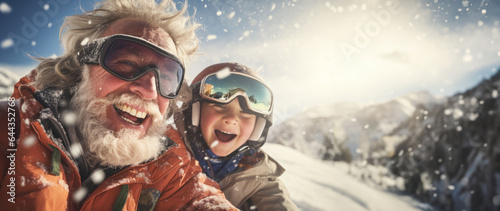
(195, 114)
(260, 124)
(88, 53)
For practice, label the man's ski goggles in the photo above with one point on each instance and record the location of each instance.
(125, 57)
(223, 89)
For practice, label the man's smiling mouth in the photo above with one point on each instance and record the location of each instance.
(224, 136)
(130, 115)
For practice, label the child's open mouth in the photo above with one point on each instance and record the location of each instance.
(224, 136)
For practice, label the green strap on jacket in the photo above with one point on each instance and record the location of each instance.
(121, 199)
(55, 168)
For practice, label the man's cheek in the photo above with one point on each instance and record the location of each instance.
(164, 106)
(110, 112)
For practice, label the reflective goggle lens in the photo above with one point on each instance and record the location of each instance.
(224, 89)
(130, 60)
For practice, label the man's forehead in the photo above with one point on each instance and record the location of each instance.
(139, 28)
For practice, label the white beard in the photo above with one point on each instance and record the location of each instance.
(121, 148)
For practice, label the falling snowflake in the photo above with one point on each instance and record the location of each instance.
(9, 42)
(465, 3)
(76, 150)
(5, 8)
(231, 15)
(496, 200)
(211, 37)
(29, 141)
(223, 73)
(473, 116)
(80, 194)
(69, 118)
(457, 113)
(214, 144)
(85, 41)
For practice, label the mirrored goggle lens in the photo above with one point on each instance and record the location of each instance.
(225, 89)
(130, 60)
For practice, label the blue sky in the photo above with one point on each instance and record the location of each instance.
(310, 52)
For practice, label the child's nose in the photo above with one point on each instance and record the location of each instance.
(230, 118)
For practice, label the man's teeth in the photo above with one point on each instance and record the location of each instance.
(131, 111)
(128, 120)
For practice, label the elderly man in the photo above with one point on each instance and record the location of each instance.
(87, 130)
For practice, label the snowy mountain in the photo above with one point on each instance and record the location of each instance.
(442, 151)
(341, 130)
(449, 154)
(7, 81)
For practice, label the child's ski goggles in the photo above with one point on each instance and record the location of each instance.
(124, 56)
(223, 89)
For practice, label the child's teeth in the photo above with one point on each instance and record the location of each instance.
(226, 132)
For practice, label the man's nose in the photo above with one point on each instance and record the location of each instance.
(145, 86)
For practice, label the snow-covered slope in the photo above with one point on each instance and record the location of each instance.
(7, 81)
(324, 185)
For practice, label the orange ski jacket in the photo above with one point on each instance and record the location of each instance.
(37, 173)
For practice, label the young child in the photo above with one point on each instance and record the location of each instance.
(225, 125)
